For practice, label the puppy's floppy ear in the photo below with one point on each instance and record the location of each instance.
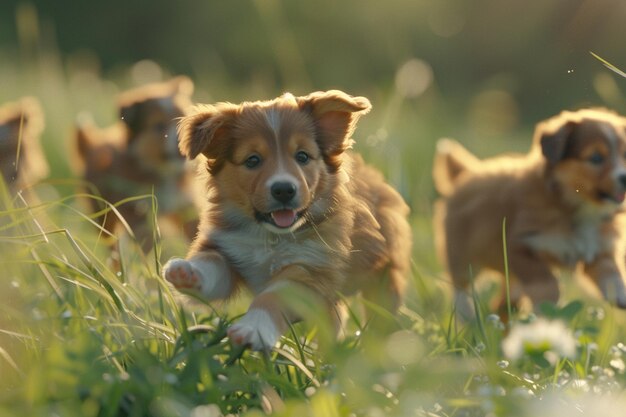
(25, 116)
(335, 114)
(553, 136)
(181, 85)
(182, 89)
(204, 130)
(33, 115)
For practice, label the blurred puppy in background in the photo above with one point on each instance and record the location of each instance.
(560, 203)
(22, 161)
(140, 154)
(289, 207)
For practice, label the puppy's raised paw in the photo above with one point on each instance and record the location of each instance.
(184, 276)
(255, 329)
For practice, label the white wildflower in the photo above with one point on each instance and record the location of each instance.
(618, 365)
(550, 338)
(210, 410)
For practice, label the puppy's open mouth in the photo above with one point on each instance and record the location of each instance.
(283, 218)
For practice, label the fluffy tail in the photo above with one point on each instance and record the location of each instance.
(451, 160)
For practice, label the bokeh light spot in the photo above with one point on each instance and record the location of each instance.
(146, 71)
(413, 78)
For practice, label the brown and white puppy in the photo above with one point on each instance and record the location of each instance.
(559, 202)
(22, 162)
(288, 206)
(140, 154)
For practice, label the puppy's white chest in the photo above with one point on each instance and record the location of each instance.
(257, 259)
(583, 244)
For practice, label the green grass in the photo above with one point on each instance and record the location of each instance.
(79, 339)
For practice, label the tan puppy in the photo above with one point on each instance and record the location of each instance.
(22, 162)
(138, 154)
(289, 207)
(559, 202)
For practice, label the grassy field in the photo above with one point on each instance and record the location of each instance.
(79, 339)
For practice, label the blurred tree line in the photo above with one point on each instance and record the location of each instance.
(537, 50)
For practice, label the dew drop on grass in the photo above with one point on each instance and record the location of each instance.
(503, 364)
(494, 320)
(523, 392)
(580, 384)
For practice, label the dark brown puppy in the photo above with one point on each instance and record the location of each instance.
(289, 207)
(140, 154)
(560, 203)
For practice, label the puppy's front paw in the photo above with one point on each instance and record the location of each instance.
(184, 276)
(255, 329)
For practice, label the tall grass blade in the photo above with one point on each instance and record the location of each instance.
(507, 281)
(477, 309)
(608, 65)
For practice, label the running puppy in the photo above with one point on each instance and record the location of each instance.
(288, 206)
(140, 154)
(560, 204)
(22, 162)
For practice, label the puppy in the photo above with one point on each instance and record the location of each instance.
(22, 162)
(140, 154)
(559, 204)
(288, 206)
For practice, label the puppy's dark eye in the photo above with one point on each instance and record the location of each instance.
(253, 161)
(302, 157)
(596, 158)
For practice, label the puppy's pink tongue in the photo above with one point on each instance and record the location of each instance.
(284, 218)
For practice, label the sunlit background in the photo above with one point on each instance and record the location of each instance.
(481, 71)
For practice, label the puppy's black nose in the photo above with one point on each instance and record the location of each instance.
(622, 180)
(283, 191)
